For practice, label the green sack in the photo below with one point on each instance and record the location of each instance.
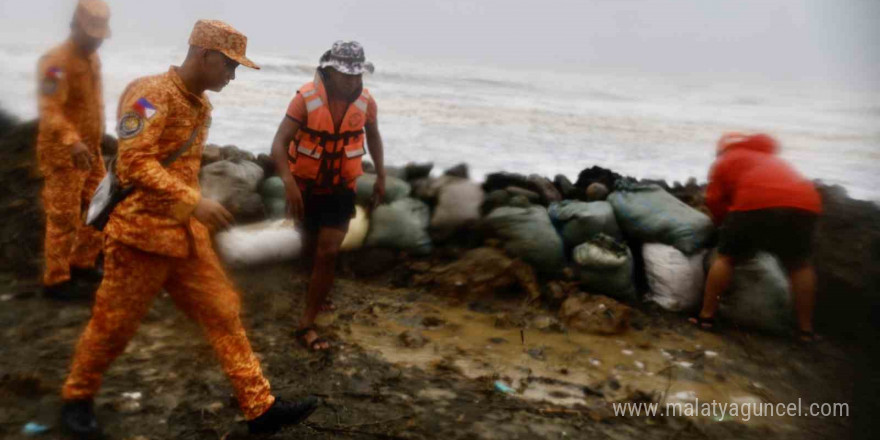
(649, 214)
(528, 234)
(401, 225)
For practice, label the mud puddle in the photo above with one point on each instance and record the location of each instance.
(567, 369)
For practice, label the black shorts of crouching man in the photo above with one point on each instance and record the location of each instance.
(785, 232)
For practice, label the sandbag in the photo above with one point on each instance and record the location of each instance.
(401, 225)
(581, 221)
(605, 266)
(759, 296)
(357, 230)
(395, 189)
(274, 197)
(675, 280)
(457, 204)
(269, 241)
(528, 234)
(649, 214)
(234, 185)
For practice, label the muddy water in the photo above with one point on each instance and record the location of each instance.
(567, 369)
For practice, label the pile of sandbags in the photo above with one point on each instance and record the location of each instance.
(527, 233)
(234, 185)
(401, 225)
(675, 280)
(581, 221)
(649, 214)
(604, 265)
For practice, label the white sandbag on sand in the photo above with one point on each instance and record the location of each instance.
(357, 231)
(675, 280)
(269, 241)
(649, 214)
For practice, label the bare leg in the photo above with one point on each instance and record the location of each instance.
(719, 279)
(803, 286)
(323, 271)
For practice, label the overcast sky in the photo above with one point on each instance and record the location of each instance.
(780, 39)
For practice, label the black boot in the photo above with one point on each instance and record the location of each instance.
(283, 413)
(91, 275)
(78, 419)
(64, 291)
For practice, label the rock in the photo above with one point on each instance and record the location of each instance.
(413, 339)
(595, 314)
(547, 191)
(537, 353)
(532, 196)
(234, 185)
(234, 154)
(481, 273)
(597, 174)
(596, 192)
(542, 322)
(413, 171)
(267, 163)
(460, 170)
(211, 154)
(504, 180)
(563, 185)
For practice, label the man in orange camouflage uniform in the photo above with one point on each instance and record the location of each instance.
(69, 148)
(159, 237)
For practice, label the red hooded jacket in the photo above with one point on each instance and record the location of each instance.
(748, 175)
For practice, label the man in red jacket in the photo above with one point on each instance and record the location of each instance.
(761, 204)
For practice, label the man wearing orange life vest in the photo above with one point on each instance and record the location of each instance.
(317, 151)
(158, 237)
(69, 148)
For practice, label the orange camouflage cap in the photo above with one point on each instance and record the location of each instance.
(93, 17)
(219, 36)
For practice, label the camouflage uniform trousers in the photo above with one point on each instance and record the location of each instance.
(68, 241)
(198, 287)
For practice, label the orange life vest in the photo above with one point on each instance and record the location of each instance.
(319, 154)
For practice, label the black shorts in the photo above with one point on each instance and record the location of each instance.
(332, 210)
(784, 232)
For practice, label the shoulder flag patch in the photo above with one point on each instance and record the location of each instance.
(54, 73)
(144, 108)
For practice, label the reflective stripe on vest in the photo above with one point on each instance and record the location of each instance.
(361, 105)
(311, 153)
(314, 104)
(355, 153)
(309, 93)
